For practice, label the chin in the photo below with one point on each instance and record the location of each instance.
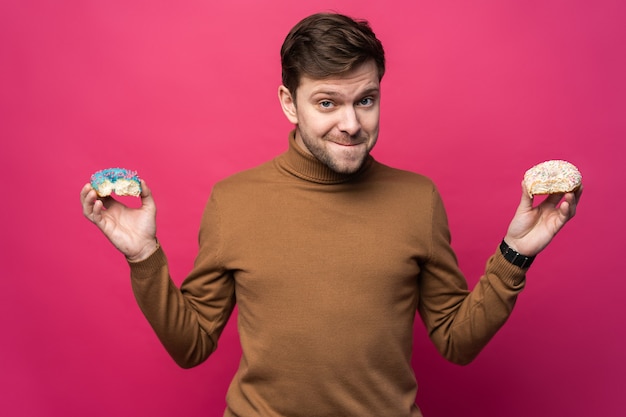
(346, 168)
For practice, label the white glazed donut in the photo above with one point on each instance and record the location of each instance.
(552, 177)
(116, 180)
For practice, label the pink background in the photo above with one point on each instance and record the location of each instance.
(185, 93)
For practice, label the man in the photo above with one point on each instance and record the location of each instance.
(327, 253)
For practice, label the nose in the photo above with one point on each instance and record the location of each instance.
(349, 122)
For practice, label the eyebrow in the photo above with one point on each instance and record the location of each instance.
(332, 93)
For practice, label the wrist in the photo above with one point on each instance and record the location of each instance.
(514, 257)
(146, 252)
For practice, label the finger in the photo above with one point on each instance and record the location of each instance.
(526, 200)
(145, 191)
(108, 201)
(578, 193)
(87, 198)
(553, 199)
(84, 191)
(571, 201)
(573, 196)
(96, 214)
(565, 209)
(146, 195)
(92, 205)
(88, 194)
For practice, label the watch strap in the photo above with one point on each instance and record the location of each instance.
(514, 256)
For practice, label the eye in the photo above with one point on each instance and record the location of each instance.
(366, 102)
(326, 104)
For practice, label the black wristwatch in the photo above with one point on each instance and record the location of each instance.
(515, 257)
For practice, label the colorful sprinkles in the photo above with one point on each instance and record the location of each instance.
(107, 179)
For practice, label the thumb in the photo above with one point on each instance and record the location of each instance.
(526, 202)
(147, 200)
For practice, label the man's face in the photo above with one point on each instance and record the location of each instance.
(336, 118)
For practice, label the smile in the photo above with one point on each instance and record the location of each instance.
(347, 144)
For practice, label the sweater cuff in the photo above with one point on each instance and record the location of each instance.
(511, 275)
(148, 267)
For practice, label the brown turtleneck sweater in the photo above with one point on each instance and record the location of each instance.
(328, 271)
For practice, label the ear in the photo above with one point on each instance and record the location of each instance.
(288, 104)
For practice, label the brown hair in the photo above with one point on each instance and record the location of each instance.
(326, 44)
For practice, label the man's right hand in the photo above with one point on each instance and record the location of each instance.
(131, 230)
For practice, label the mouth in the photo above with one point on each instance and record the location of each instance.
(348, 144)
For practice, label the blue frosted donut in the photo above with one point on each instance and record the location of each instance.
(116, 180)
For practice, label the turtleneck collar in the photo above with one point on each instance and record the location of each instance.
(305, 166)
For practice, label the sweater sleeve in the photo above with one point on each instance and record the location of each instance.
(187, 320)
(461, 322)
